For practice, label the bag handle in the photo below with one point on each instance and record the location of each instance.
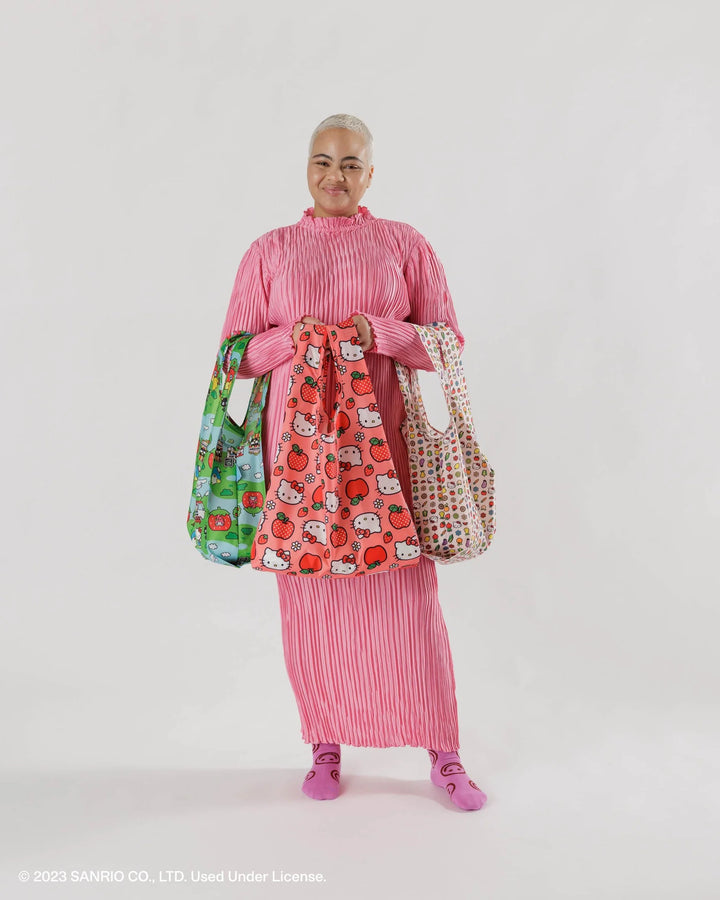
(346, 333)
(329, 341)
(258, 396)
(410, 387)
(440, 338)
(314, 336)
(443, 348)
(230, 355)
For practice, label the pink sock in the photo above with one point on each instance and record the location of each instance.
(448, 772)
(322, 782)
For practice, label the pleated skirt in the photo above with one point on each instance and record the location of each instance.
(369, 659)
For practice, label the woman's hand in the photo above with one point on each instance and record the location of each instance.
(300, 326)
(361, 323)
(364, 332)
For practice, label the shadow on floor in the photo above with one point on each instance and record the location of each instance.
(44, 808)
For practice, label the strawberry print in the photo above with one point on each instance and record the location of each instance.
(345, 455)
(356, 490)
(399, 517)
(361, 382)
(331, 466)
(219, 520)
(310, 563)
(379, 449)
(338, 535)
(308, 391)
(297, 458)
(283, 527)
(253, 501)
(374, 556)
(342, 423)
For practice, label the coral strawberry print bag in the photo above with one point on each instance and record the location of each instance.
(334, 505)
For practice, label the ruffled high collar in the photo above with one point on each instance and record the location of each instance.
(335, 223)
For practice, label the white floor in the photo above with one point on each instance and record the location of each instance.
(609, 810)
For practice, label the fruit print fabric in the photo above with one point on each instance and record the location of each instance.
(334, 503)
(453, 485)
(228, 490)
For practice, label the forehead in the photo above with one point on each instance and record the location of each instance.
(340, 142)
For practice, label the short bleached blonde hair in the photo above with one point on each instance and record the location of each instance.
(352, 123)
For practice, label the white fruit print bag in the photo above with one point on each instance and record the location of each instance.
(452, 482)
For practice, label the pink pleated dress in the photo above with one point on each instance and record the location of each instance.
(368, 658)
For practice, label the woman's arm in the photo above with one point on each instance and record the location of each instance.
(430, 301)
(248, 311)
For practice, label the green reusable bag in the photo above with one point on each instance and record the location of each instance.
(228, 492)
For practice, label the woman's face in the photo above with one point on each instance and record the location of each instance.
(338, 172)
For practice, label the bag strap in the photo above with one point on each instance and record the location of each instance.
(258, 396)
(408, 377)
(230, 354)
(315, 336)
(410, 390)
(443, 348)
(345, 334)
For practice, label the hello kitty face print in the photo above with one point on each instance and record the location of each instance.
(313, 531)
(346, 565)
(290, 491)
(369, 416)
(351, 350)
(312, 357)
(349, 457)
(279, 560)
(304, 425)
(388, 483)
(337, 508)
(366, 524)
(408, 549)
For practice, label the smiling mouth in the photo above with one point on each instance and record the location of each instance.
(335, 190)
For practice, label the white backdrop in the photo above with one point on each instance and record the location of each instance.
(561, 157)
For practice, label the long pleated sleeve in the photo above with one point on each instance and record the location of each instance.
(248, 311)
(430, 301)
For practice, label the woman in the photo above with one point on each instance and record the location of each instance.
(368, 658)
